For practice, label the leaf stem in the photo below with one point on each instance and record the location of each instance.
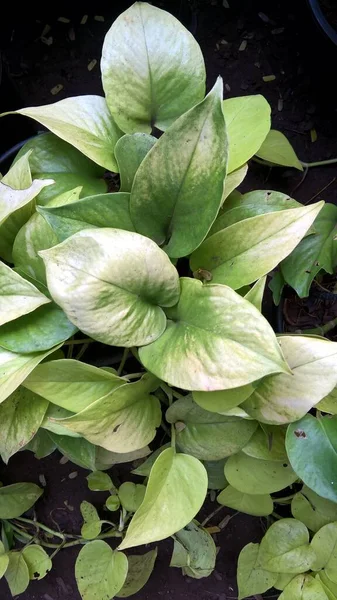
(284, 499)
(123, 361)
(133, 376)
(322, 329)
(38, 525)
(319, 163)
(77, 342)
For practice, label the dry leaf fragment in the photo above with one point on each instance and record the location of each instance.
(99, 18)
(84, 20)
(73, 475)
(92, 64)
(313, 135)
(243, 46)
(268, 78)
(63, 20)
(56, 89)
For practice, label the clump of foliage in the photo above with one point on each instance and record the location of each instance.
(172, 269)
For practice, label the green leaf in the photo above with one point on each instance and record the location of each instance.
(17, 574)
(255, 294)
(99, 274)
(16, 367)
(139, 572)
(17, 296)
(103, 210)
(175, 492)
(223, 400)
(167, 208)
(71, 384)
(329, 403)
(254, 476)
(249, 249)
(112, 503)
(100, 572)
(106, 459)
(276, 149)
(152, 69)
(207, 435)
(19, 176)
(232, 181)
(131, 495)
(56, 412)
(329, 586)
(122, 421)
(304, 587)
(42, 445)
(283, 579)
(21, 415)
(17, 498)
(130, 151)
(99, 482)
(285, 548)
(194, 551)
(267, 443)
(314, 252)
(145, 468)
(84, 122)
(276, 285)
(285, 398)
(252, 204)
(312, 449)
(215, 473)
(258, 505)
(37, 331)
(37, 560)
(78, 450)
(252, 578)
(36, 235)
(324, 543)
(312, 510)
(248, 123)
(92, 524)
(206, 348)
(4, 560)
(67, 166)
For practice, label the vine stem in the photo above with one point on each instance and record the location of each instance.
(319, 163)
(323, 329)
(77, 342)
(123, 361)
(211, 515)
(38, 525)
(284, 499)
(132, 376)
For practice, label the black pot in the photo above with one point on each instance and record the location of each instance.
(329, 32)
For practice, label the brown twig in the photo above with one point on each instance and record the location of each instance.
(322, 190)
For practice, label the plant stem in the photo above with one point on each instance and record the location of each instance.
(82, 351)
(38, 525)
(276, 516)
(212, 514)
(323, 329)
(284, 499)
(132, 376)
(123, 361)
(77, 342)
(177, 395)
(319, 163)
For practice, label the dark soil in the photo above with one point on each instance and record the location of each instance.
(281, 40)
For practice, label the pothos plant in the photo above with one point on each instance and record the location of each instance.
(171, 268)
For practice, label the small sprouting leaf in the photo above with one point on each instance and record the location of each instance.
(38, 561)
(285, 548)
(304, 587)
(238, 255)
(252, 578)
(205, 348)
(130, 151)
(253, 476)
(17, 295)
(312, 510)
(208, 435)
(17, 498)
(139, 572)
(257, 505)
(116, 271)
(175, 492)
(167, 209)
(100, 572)
(284, 398)
(248, 123)
(83, 121)
(71, 384)
(223, 400)
(103, 210)
(21, 415)
(17, 573)
(312, 449)
(276, 149)
(167, 78)
(194, 551)
(112, 503)
(131, 495)
(99, 482)
(92, 523)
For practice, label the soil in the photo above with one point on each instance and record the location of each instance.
(281, 40)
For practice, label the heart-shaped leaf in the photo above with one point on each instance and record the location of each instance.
(247, 118)
(92, 525)
(152, 69)
(324, 544)
(258, 505)
(99, 482)
(267, 443)
(103, 210)
(175, 492)
(249, 249)
(312, 449)
(223, 400)
(312, 510)
(100, 571)
(21, 415)
(276, 149)
(130, 152)
(17, 573)
(304, 587)
(206, 348)
(285, 398)
(254, 476)
(252, 578)
(98, 275)
(17, 296)
(17, 498)
(139, 572)
(285, 548)
(37, 560)
(207, 435)
(167, 207)
(131, 495)
(84, 122)
(194, 551)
